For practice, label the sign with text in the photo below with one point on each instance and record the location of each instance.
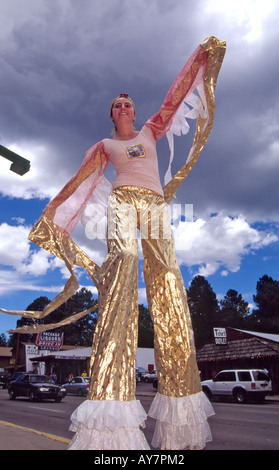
(49, 340)
(220, 335)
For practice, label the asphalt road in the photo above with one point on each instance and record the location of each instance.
(234, 427)
(245, 427)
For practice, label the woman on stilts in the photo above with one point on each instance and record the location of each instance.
(111, 417)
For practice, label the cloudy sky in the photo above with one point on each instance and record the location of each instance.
(61, 64)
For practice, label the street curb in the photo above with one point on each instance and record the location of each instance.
(34, 431)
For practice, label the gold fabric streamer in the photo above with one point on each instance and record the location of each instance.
(216, 51)
(49, 326)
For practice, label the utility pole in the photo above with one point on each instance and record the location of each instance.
(19, 164)
(17, 351)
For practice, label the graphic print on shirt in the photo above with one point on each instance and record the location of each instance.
(136, 151)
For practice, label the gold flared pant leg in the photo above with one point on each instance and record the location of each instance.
(175, 355)
(112, 368)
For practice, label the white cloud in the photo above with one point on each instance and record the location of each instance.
(142, 295)
(16, 252)
(218, 242)
(12, 282)
(247, 16)
(14, 247)
(37, 264)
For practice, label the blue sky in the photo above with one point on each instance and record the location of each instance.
(61, 66)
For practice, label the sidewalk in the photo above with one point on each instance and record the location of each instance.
(272, 397)
(13, 437)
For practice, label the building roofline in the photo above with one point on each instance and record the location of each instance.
(268, 336)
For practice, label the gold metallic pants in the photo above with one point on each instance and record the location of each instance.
(116, 335)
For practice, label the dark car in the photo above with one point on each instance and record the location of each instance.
(15, 375)
(35, 387)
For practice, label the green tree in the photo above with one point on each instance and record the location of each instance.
(204, 309)
(265, 317)
(146, 331)
(3, 340)
(234, 310)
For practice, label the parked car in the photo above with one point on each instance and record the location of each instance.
(138, 379)
(35, 387)
(148, 378)
(4, 378)
(142, 373)
(77, 386)
(15, 375)
(241, 385)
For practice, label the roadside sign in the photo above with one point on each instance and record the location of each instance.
(49, 340)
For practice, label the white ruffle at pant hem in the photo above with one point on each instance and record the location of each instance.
(115, 425)
(108, 425)
(181, 422)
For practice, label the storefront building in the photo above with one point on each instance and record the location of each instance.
(76, 361)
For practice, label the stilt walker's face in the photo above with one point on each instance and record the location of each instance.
(123, 111)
